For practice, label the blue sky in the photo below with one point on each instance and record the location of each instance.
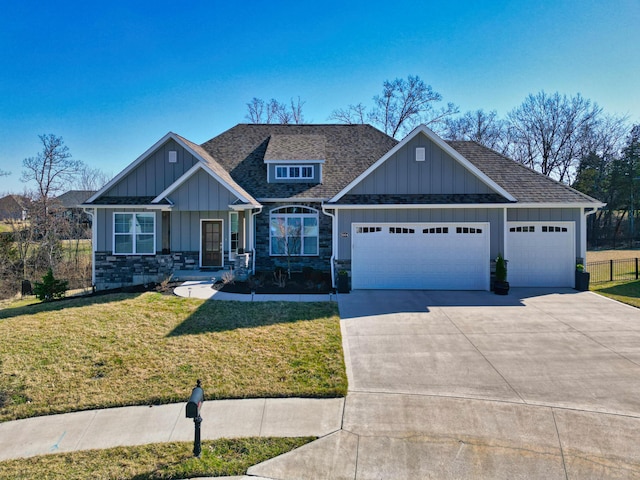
(113, 77)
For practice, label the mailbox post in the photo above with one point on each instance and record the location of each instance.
(193, 411)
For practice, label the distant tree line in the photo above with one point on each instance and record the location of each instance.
(568, 138)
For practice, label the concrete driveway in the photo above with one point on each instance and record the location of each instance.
(538, 384)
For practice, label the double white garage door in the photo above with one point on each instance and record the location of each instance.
(447, 256)
(456, 256)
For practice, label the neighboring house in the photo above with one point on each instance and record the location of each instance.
(14, 207)
(70, 204)
(421, 213)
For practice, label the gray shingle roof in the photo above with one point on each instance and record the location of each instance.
(74, 198)
(349, 150)
(526, 185)
(296, 147)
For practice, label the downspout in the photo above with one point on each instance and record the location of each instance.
(252, 226)
(504, 234)
(93, 213)
(334, 242)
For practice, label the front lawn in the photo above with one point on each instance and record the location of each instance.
(625, 292)
(138, 349)
(157, 461)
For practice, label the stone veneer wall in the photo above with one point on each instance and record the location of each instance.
(116, 271)
(265, 262)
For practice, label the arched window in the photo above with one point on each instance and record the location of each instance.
(293, 231)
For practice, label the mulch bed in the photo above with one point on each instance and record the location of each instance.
(265, 283)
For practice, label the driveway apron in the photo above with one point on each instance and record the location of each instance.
(540, 383)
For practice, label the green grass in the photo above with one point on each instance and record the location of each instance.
(157, 461)
(128, 349)
(625, 292)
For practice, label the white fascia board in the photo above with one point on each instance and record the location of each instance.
(242, 207)
(290, 200)
(130, 207)
(131, 166)
(296, 162)
(558, 205)
(461, 205)
(443, 145)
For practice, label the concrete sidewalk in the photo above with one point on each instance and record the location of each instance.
(287, 417)
(203, 290)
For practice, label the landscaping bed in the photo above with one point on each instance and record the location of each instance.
(281, 282)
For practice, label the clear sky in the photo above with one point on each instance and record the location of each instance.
(113, 77)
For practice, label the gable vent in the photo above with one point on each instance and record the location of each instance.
(420, 156)
(173, 156)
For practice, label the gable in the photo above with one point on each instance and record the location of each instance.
(154, 172)
(403, 173)
(201, 192)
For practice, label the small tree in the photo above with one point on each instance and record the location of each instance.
(501, 269)
(50, 288)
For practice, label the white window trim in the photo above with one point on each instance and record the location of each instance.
(289, 168)
(312, 213)
(133, 234)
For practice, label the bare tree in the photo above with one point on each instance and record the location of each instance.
(90, 178)
(403, 105)
(52, 170)
(259, 111)
(4, 174)
(352, 115)
(255, 110)
(296, 111)
(548, 132)
(479, 126)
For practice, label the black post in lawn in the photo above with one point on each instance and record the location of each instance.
(193, 411)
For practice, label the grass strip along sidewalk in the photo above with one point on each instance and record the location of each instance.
(625, 292)
(157, 461)
(140, 349)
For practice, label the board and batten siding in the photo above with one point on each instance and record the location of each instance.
(549, 214)
(347, 217)
(185, 229)
(439, 173)
(201, 192)
(154, 174)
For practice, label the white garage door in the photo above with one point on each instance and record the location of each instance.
(446, 256)
(541, 254)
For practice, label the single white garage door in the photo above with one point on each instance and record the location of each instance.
(541, 254)
(443, 256)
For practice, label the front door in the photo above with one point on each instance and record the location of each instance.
(212, 243)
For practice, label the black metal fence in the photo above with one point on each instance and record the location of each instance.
(610, 270)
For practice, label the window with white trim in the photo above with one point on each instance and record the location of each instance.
(134, 233)
(293, 231)
(294, 171)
